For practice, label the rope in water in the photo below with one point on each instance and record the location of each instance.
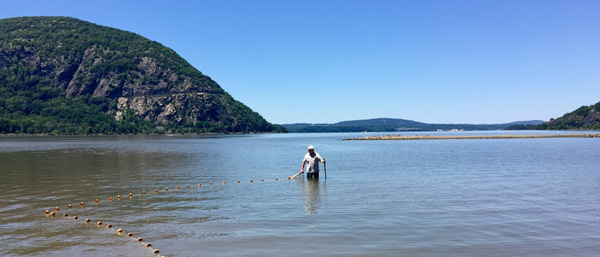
(50, 214)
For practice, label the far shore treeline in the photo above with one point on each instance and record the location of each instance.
(584, 118)
(390, 125)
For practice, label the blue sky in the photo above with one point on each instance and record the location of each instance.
(328, 61)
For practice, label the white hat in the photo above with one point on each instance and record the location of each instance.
(311, 147)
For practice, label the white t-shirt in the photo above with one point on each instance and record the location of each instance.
(313, 162)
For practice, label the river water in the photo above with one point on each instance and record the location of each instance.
(499, 197)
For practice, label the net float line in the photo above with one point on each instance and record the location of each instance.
(156, 191)
(108, 227)
(120, 231)
(111, 199)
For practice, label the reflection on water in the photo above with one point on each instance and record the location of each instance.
(311, 195)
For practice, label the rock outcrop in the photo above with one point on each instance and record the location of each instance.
(137, 75)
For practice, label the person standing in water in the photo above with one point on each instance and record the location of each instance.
(313, 159)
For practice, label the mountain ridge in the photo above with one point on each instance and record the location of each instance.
(584, 117)
(67, 76)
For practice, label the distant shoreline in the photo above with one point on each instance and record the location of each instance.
(429, 137)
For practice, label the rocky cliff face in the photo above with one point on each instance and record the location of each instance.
(140, 75)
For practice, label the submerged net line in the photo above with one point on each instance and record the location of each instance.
(110, 199)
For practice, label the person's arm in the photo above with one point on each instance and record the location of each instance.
(303, 163)
(320, 158)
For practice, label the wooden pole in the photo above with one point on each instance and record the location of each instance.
(295, 175)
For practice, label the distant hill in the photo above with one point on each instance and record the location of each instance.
(62, 75)
(585, 117)
(389, 125)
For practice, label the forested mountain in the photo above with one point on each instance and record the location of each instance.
(62, 75)
(388, 125)
(585, 117)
